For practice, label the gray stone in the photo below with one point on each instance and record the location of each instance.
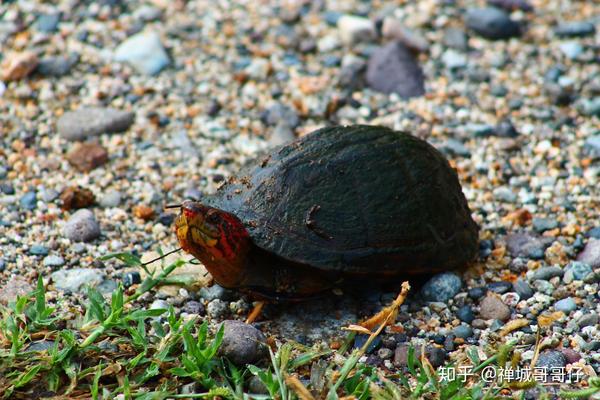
(393, 28)
(57, 66)
(354, 29)
(505, 194)
(147, 13)
(159, 304)
(544, 224)
(456, 39)
(442, 287)
(193, 307)
(242, 343)
(492, 307)
(591, 107)
(385, 353)
(463, 331)
(48, 195)
(571, 49)
(217, 309)
(435, 355)
(492, 23)
(53, 261)
(256, 386)
(279, 113)
(75, 280)
(110, 199)
(453, 59)
(394, 69)
(16, 286)
(591, 253)
(38, 250)
(527, 245)
(575, 29)
(145, 52)
(282, 134)
(93, 121)
(565, 305)
(47, 23)
(42, 345)
(82, 226)
(589, 319)
(550, 360)
(216, 292)
(576, 271)
(547, 273)
(28, 201)
(455, 147)
(523, 289)
(465, 314)
(511, 5)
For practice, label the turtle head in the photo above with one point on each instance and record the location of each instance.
(215, 237)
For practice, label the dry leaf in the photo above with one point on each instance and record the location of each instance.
(388, 314)
(357, 329)
(546, 320)
(513, 325)
(298, 388)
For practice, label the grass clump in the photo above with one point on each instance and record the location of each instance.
(113, 349)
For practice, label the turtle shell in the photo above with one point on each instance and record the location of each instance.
(356, 199)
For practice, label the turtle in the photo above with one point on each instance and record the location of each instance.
(341, 204)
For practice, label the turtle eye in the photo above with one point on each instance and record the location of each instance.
(212, 217)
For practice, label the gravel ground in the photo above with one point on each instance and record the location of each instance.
(109, 110)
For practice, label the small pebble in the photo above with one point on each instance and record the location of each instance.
(353, 29)
(15, 286)
(456, 39)
(53, 261)
(242, 343)
(500, 287)
(565, 305)
(47, 23)
(575, 29)
(76, 280)
(193, 307)
(571, 49)
(477, 292)
(435, 355)
(463, 331)
(217, 309)
(547, 273)
(523, 289)
(131, 278)
(28, 201)
(576, 271)
(492, 307)
(82, 226)
(588, 319)
(442, 287)
(465, 314)
(38, 250)
(216, 292)
(93, 121)
(18, 66)
(112, 198)
(591, 253)
(145, 52)
(551, 360)
(492, 23)
(544, 224)
(394, 69)
(87, 156)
